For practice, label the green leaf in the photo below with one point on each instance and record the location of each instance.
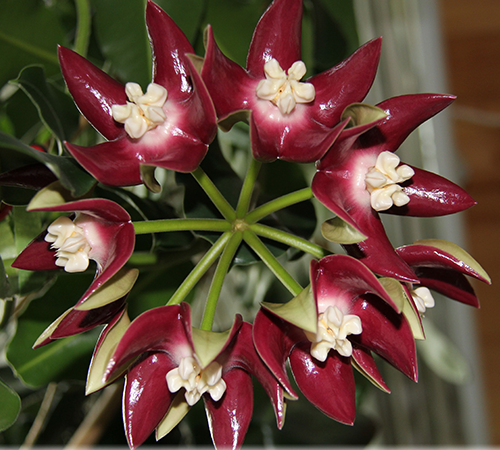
(15, 154)
(57, 111)
(340, 232)
(187, 15)
(11, 405)
(121, 32)
(29, 33)
(233, 22)
(62, 359)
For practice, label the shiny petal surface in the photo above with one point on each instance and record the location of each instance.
(243, 355)
(169, 46)
(77, 322)
(159, 329)
(274, 339)
(386, 333)
(229, 418)
(350, 81)
(93, 91)
(432, 195)
(277, 35)
(36, 256)
(338, 280)
(146, 397)
(329, 385)
(363, 360)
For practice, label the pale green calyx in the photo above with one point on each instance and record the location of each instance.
(285, 90)
(382, 182)
(143, 112)
(72, 248)
(423, 299)
(197, 380)
(333, 328)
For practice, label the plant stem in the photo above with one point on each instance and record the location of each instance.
(247, 189)
(271, 262)
(158, 226)
(289, 239)
(279, 203)
(218, 280)
(82, 27)
(203, 265)
(214, 194)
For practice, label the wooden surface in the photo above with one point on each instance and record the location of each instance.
(472, 45)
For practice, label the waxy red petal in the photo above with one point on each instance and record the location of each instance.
(77, 322)
(146, 397)
(327, 385)
(243, 355)
(231, 87)
(229, 418)
(36, 256)
(274, 339)
(277, 35)
(404, 114)
(93, 91)
(159, 329)
(169, 46)
(349, 81)
(432, 195)
(340, 276)
(386, 333)
(364, 360)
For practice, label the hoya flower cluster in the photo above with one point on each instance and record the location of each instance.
(367, 302)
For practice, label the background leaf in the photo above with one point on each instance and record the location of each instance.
(11, 405)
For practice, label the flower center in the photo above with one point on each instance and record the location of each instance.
(72, 248)
(381, 182)
(423, 299)
(285, 91)
(196, 381)
(333, 329)
(144, 111)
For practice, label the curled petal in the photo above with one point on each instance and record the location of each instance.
(351, 80)
(386, 333)
(277, 35)
(146, 398)
(432, 195)
(159, 329)
(327, 385)
(364, 362)
(229, 418)
(94, 92)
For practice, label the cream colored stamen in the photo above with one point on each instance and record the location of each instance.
(196, 381)
(283, 90)
(143, 112)
(382, 182)
(333, 329)
(72, 248)
(423, 299)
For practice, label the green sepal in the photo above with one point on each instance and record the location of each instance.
(148, 178)
(101, 357)
(457, 252)
(55, 194)
(338, 231)
(209, 344)
(178, 409)
(119, 285)
(367, 375)
(362, 114)
(301, 311)
(395, 290)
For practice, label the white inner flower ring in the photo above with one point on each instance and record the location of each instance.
(423, 298)
(285, 90)
(382, 182)
(70, 243)
(196, 381)
(333, 328)
(143, 112)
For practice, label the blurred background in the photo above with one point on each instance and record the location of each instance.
(445, 46)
